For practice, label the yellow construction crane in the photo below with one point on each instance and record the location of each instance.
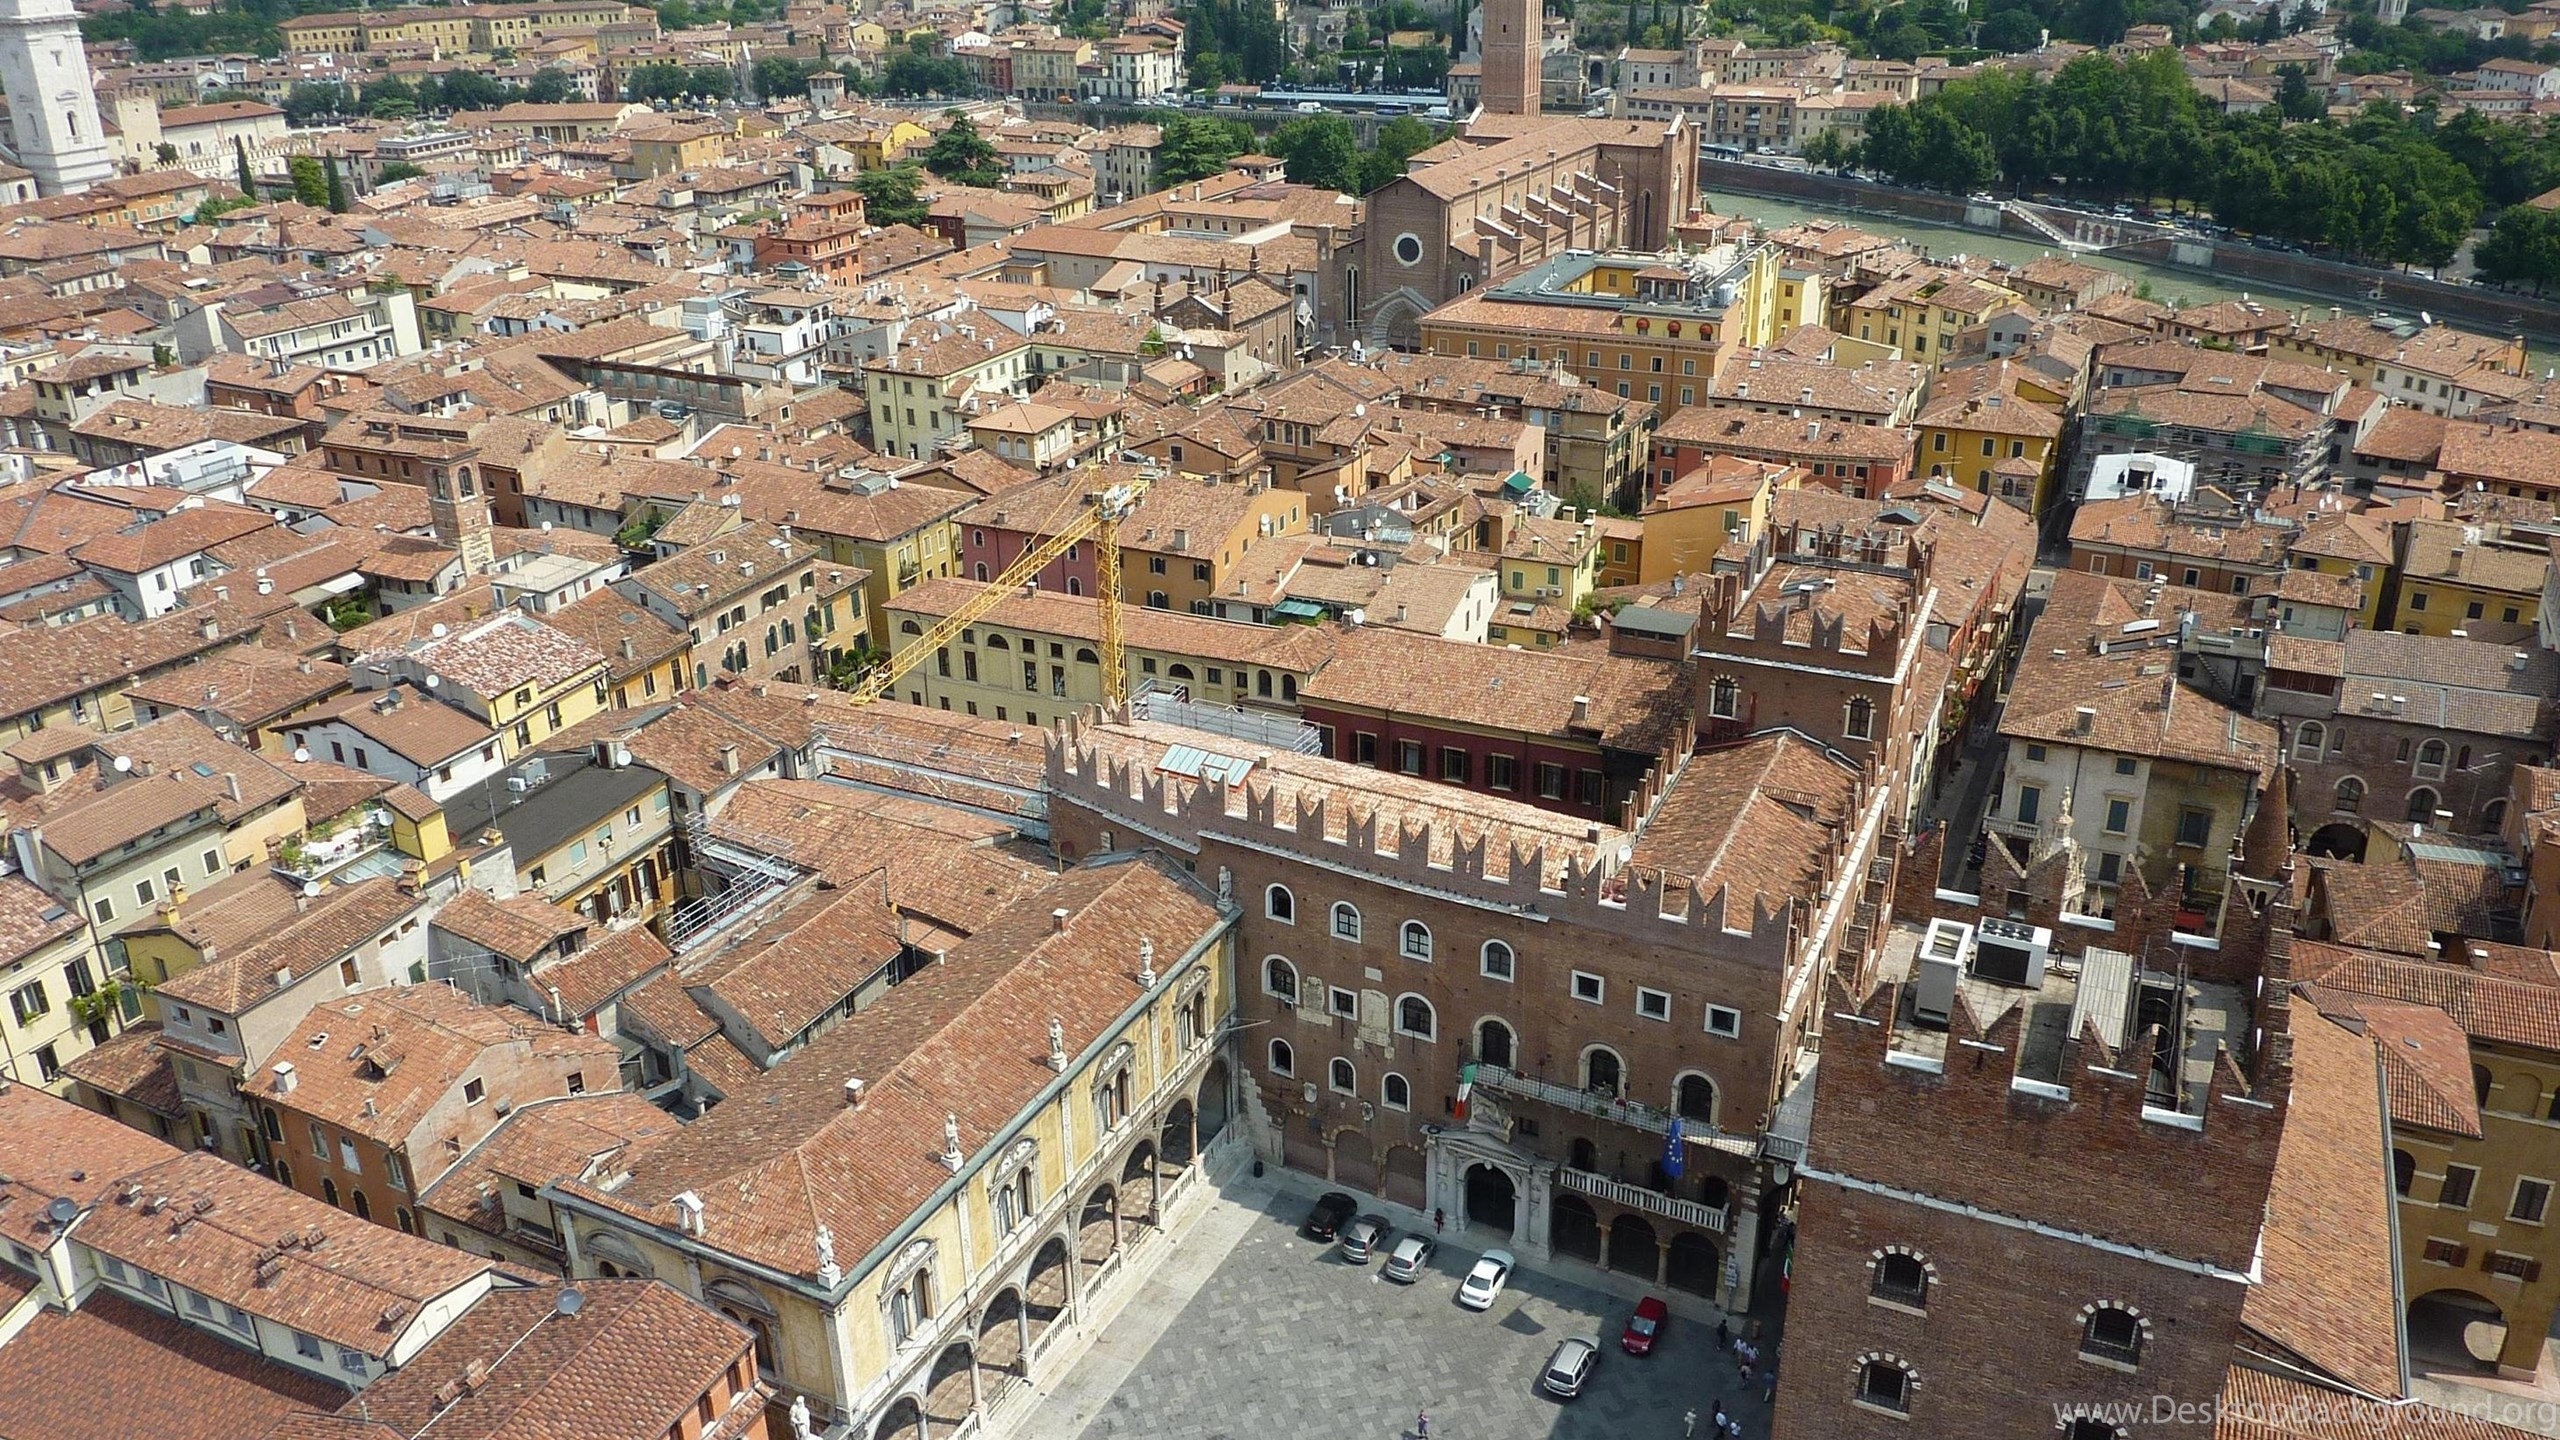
(1104, 509)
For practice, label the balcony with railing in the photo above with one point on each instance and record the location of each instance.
(1636, 1197)
(1601, 1104)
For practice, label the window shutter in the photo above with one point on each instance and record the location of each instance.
(2532, 1271)
(2461, 1254)
(2489, 1260)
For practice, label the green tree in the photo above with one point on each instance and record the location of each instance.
(889, 196)
(551, 87)
(2522, 248)
(1195, 147)
(963, 156)
(306, 102)
(310, 182)
(397, 171)
(917, 70)
(337, 191)
(2295, 99)
(164, 153)
(711, 82)
(778, 76)
(1826, 151)
(1319, 150)
(248, 176)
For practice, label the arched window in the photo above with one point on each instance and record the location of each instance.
(1178, 671)
(1885, 1384)
(1499, 961)
(909, 627)
(1284, 1061)
(1395, 1093)
(2350, 796)
(2431, 760)
(2422, 806)
(1279, 904)
(2480, 1085)
(1901, 1278)
(1494, 1044)
(1413, 940)
(1603, 1072)
(2493, 816)
(408, 1222)
(1075, 586)
(1724, 698)
(1280, 978)
(2308, 740)
(997, 642)
(2462, 758)
(363, 1205)
(1415, 1017)
(1346, 921)
(2404, 1169)
(328, 1189)
(2112, 1334)
(1861, 724)
(1341, 1076)
(1695, 1098)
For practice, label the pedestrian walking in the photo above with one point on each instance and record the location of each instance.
(1724, 1334)
(1719, 1418)
(1733, 1428)
(1422, 1425)
(1439, 1221)
(1689, 1424)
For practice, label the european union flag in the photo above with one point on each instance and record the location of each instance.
(1673, 1150)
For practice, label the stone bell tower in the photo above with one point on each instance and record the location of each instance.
(53, 105)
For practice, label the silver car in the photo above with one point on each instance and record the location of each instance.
(1570, 1367)
(1410, 1258)
(1363, 1238)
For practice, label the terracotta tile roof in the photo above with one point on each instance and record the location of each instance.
(542, 1141)
(2328, 1250)
(2143, 523)
(1635, 704)
(158, 542)
(247, 683)
(1300, 648)
(183, 745)
(340, 919)
(2480, 557)
(629, 637)
(87, 820)
(2258, 1406)
(2470, 686)
(407, 722)
(202, 1222)
(46, 664)
(2136, 712)
(633, 1361)
(132, 1066)
(30, 919)
(522, 928)
(586, 981)
(663, 1009)
(382, 1063)
(506, 651)
(114, 1369)
(52, 1149)
(785, 973)
(2498, 454)
(2425, 1058)
(1756, 820)
(966, 1038)
(2493, 1007)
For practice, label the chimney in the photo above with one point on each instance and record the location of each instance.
(284, 976)
(1058, 920)
(1581, 709)
(2518, 661)
(728, 759)
(209, 628)
(852, 1094)
(2084, 719)
(231, 785)
(285, 1077)
(629, 651)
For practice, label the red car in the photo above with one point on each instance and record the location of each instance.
(1644, 1328)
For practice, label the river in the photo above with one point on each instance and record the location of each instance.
(2168, 283)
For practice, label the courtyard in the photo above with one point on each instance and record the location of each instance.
(1247, 1332)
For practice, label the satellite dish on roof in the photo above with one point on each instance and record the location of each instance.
(435, 682)
(310, 888)
(301, 754)
(62, 1210)
(124, 764)
(437, 630)
(568, 1302)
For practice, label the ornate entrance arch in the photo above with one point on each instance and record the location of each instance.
(1492, 1199)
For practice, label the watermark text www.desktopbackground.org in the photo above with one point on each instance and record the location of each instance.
(2168, 1411)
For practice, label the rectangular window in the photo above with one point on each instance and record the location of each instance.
(1342, 1003)
(2194, 826)
(1453, 765)
(2532, 1199)
(319, 1141)
(1551, 781)
(473, 1092)
(2458, 1180)
(1724, 1020)
(29, 1001)
(2512, 1266)
(2119, 815)
(2110, 867)
(1588, 987)
(2030, 803)
(2447, 1252)
(2126, 765)
(1409, 756)
(1653, 1004)
(348, 1160)
(1500, 772)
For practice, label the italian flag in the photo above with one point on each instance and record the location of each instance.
(1466, 1086)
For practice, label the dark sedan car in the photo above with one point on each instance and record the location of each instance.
(1326, 1220)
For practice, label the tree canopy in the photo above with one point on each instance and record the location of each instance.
(1195, 147)
(963, 156)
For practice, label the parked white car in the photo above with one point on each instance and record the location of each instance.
(1484, 1283)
